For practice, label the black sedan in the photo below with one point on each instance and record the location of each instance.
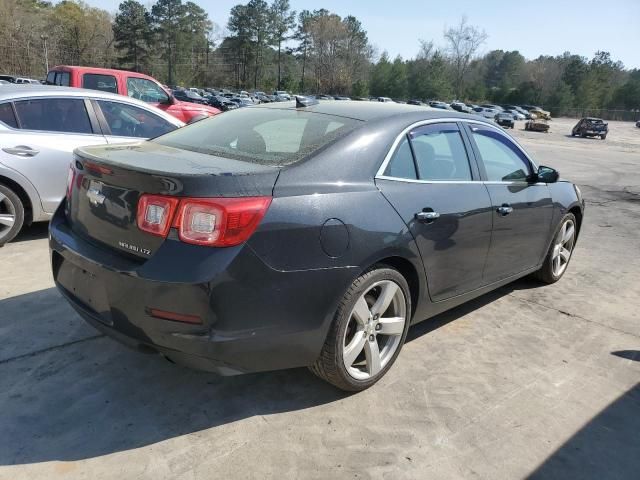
(591, 127)
(505, 120)
(304, 234)
(189, 96)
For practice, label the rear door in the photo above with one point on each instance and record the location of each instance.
(40, 148)
(435, 188)
(522, 210)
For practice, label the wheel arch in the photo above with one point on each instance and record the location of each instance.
(577, 212)
(408, 271)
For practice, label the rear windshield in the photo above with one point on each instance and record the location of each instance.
(267, 136)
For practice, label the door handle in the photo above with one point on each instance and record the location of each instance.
(505, 209)
(427, 217)
(21, 151)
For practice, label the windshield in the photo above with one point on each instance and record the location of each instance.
(267, 136)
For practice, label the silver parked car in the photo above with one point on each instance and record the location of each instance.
(40, 126)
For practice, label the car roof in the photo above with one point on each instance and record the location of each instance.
(16, 92)
(98, 70)
(366, 111)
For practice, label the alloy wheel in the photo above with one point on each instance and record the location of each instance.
(7, 215)
(563, 247)
(375, 329)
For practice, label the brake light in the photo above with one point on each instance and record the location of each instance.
(155, 213)
(215, 222)
(71, 176)
(219, 222)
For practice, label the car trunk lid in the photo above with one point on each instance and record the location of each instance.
(109, 181)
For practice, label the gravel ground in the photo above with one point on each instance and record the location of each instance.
(527, 381)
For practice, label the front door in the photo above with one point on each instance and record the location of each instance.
(432, 185)
(522, 209)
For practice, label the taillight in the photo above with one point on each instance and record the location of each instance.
(155, 213)
(219, 222)
(215, 222)
(71, 175)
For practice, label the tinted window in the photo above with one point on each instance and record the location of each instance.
(104, 83)
(51, 78)
(503, 161)
(440, 153)
(262, 135)
(6, 115)
(62, 79)
(129, 121)
(146, 90)
(54, 115)
(401, 164)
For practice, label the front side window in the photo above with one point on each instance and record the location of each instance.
(146, 90)
(266, 136)
(104, 83)
(54, 115)
(129, 121)
(503, 160)
(440, 153)
(6, 115)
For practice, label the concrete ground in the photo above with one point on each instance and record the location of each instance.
(528, 381)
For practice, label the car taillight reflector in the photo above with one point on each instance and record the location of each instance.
(155, 213)
(219, 222)
(173, 316)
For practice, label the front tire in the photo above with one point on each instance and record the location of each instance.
(11, 214)
(368, 330)
(560, 251)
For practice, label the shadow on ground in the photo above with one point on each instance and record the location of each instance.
(81, 395)
(35, 231)
(606, 447)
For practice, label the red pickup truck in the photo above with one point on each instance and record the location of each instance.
(136, 85)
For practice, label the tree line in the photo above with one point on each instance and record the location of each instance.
(269, 46)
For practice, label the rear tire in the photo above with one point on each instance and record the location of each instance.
(368, 330)
(560, 252)
(11, 214)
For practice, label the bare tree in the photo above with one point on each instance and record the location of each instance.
(463, 41)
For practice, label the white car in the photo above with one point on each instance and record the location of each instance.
(40, 126)
(516, 114)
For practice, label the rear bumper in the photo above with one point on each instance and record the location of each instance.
(254, 318)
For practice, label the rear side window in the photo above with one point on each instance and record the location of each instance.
(104, 83)
(266, 136)
(54, 115)
(401, 164)
(6, 115)
(440, 153)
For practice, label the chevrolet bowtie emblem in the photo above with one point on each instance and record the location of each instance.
(94, 194)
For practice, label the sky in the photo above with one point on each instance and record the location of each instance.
(533, 27)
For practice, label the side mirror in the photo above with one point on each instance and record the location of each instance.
(547, 174)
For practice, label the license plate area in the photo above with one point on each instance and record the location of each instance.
(87, 290)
